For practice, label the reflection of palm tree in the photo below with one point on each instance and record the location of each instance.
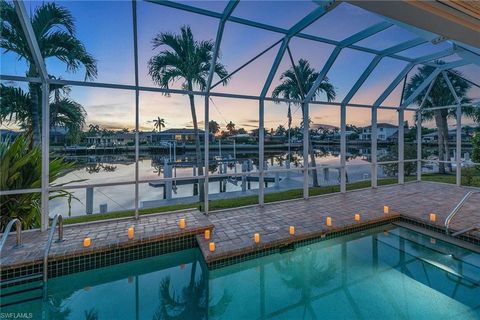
(159, 123)
(192, 303)
(57, 311)
(91, 314)
(303, 273)
(296, 83)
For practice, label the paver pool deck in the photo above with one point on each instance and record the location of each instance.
(233, 229)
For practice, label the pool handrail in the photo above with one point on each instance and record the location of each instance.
(8, 228)
(57, 219)
(456, 210)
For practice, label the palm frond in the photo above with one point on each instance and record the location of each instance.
(49, 16)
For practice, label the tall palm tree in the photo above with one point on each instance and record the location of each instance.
(293, 88)
(159, 123)
(54, 29)
(18, 108)
(186, 60)
(440, 95)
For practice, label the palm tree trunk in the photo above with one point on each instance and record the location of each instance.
(36, 95)
(312, 153)
(441, 124)
(198, 151)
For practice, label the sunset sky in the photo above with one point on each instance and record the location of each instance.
(105, 27)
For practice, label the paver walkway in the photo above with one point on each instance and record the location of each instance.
(105, 235)
(234, 228)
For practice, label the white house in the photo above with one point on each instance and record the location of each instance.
(385, 132)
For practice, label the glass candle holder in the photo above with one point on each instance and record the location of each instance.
(131, 233)
(182, 223)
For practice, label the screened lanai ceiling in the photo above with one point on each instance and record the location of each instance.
(342, 32)
(365, 54)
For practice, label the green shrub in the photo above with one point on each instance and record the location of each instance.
(21, 168)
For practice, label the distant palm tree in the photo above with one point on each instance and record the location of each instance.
(440, 95)
(291, 88)
(54, 30)
(213, 127)
(231, 127)
(159, 123)
(93, 128)
(187, 60)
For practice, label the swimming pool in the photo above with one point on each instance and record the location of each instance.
(383, 273)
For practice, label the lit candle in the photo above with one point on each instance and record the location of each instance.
(207, 234)
(433, 217)
(386, 209)
(182, 223)
(256, 237)
(292, 230)
(131, 233)
(211, 246)
(87, 242)
(329, 221)
(357, 217)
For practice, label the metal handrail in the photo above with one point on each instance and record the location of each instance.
(18, 230)
(57, 219)
(455, 211)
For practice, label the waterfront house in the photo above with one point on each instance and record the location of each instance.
(385, 132)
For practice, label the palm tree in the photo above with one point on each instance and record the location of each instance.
(231, 128)
(187, 60)
(159, 123)
(293, 88)
(440, 95)
(93, 128)
(213, 127)
(54, 29)
(18, 108)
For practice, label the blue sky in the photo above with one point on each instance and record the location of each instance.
(105, 27)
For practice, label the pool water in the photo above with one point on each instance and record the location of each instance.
(384, 273)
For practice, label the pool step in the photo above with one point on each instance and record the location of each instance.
(22, 289)
(429, 256)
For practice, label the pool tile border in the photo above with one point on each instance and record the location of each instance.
(105, 256)
(276, 246)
